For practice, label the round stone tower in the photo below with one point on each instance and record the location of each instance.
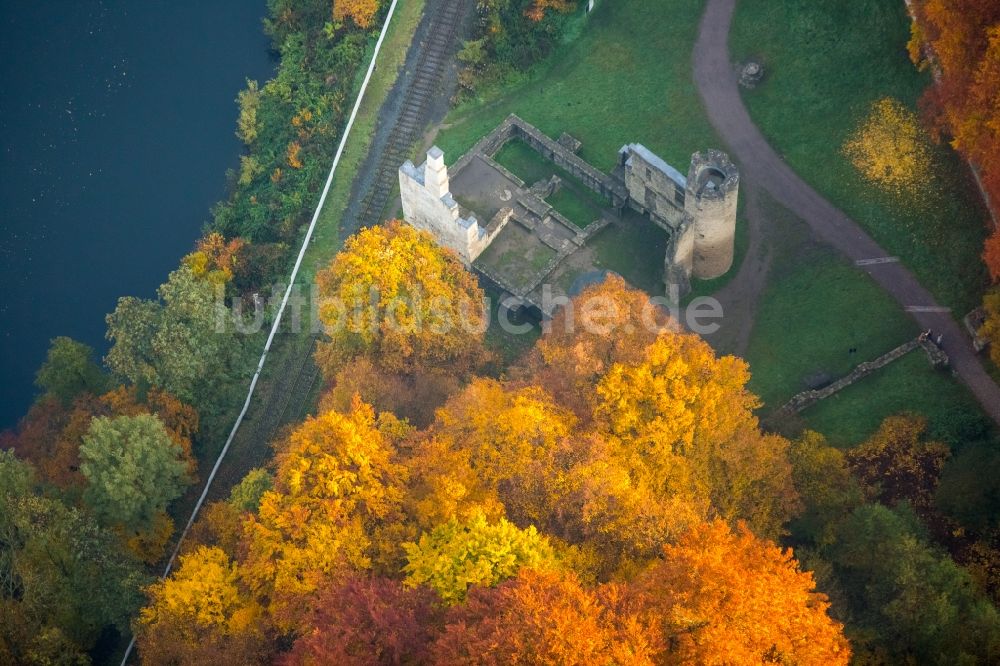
(710, 198)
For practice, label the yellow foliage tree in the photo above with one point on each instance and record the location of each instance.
(481, 454)
(678, 396)
(682, 421)
(456, 555)
(292, 155)
(202, 613)
(890, 149)
(398, 298)
(335, 481)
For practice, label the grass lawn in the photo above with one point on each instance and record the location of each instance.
(816, 308)
(626, 78)
(909, 384)
(574, 200)
(825, 64)
(573, 205)
(634, 248)
(523, 162)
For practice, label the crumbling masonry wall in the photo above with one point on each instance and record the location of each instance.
(429, 206)
(514, 127)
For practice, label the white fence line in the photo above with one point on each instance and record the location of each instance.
(284, 302)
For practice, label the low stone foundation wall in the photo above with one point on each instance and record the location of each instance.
(514, 127)
(806, 399)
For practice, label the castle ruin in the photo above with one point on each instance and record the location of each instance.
(526, 241)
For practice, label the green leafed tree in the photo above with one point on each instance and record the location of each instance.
(63, 579)
(69, 370)
(908, 601)
(133, 469)
(455, 555)
(245, 496)
(174, 343)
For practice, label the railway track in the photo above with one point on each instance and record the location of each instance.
(423, 82)
(406, 113)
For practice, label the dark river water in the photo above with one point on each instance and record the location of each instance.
(116, 128)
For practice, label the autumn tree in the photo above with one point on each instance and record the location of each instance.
(961, 39)
(496, 434)
(398, 298)
(201, 613)
(727, 597)
(69, 370)
(335, 480)
(683, 416)
(544, 617)
(897, 464)
(41, 439)
(368, 621)
(133, 469)
(249, 103)
(890, 149)
(608, 323)
(537, 9)
(215, 259)
(456, 555)
(360, 11)
(413, 396)
(991, 305)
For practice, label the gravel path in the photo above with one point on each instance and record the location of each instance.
(715, 77)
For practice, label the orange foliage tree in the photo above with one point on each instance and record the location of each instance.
(215, 258)
(360, 11)
(577, 350)
(544, 617)
(536, 10)
(724, 597)
(963, 39)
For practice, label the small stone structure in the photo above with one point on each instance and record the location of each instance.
(974, 322)
(531, 239)
(751, 74)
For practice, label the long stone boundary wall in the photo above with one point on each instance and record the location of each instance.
(806, 399)
(514, 127)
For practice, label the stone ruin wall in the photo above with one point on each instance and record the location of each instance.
(428, 205)
(651, 190)
(514, 127)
